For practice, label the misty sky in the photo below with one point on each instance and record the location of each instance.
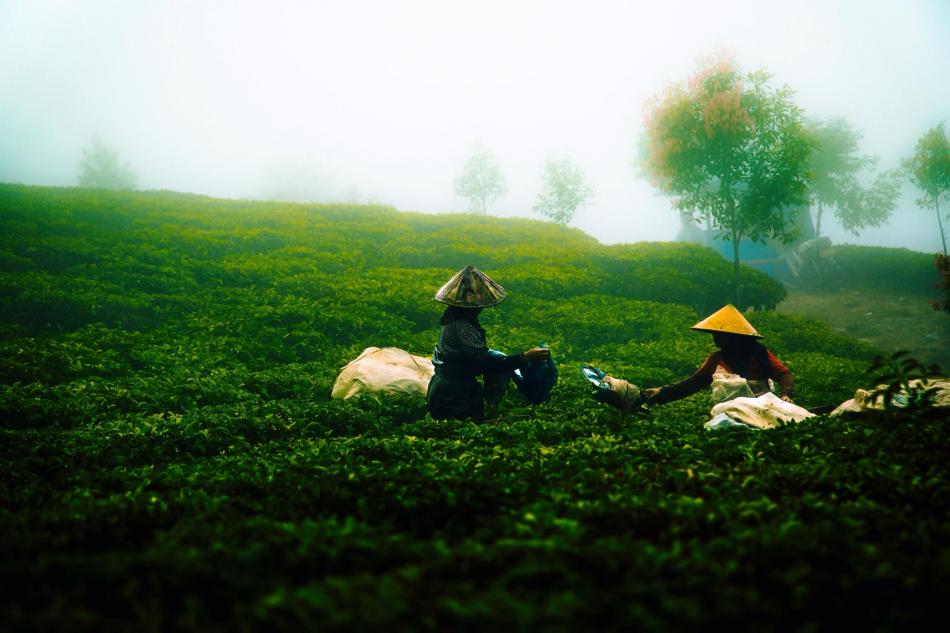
(381, 101)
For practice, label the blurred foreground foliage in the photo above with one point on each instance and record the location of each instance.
(173, 459)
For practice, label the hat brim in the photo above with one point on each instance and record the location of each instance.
(470, 288)
(708, 331)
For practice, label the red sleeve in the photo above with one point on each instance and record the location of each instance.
(779, 372)
(775, 368)
(700, 379)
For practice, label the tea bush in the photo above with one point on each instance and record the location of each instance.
(172, 458)
(876, 268)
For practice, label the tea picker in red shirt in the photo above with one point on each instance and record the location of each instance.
(740, 352)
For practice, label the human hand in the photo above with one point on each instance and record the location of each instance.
(786, 398)
(650, 394)
(537, 355)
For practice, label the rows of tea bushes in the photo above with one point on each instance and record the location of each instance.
(172, 459)
(74, 257)
(255, 517)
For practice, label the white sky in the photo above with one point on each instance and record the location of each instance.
(385, 98)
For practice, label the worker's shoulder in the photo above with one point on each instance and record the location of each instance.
(463, 330)
(460, 326)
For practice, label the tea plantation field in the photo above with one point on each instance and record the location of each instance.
(172, 458)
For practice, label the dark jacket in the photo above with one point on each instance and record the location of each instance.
(459, 358)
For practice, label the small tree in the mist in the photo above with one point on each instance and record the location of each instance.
(929, 170)
(564, 190)
(836, 168)
(481, 180)
(100, 168)
(728, 145)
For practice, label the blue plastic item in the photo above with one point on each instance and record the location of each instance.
(594, 375)
(596, 378)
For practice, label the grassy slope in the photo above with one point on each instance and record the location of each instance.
(881, 296)
(889, 320)
(172, 459)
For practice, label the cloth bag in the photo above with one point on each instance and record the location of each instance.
(867, 400)
(388, 370)
(728, 386)
(616, 392)
(763, 412)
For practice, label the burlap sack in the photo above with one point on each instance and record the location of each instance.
(384, 370)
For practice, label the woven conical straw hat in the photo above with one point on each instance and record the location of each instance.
(470, 288)
(729, 320)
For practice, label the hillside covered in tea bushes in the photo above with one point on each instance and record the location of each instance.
(173, 459)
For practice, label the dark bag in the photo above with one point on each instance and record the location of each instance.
(536, 380)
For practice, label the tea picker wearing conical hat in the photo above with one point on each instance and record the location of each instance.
(739, 353)
(462, 354)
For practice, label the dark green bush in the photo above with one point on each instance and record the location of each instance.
(876, 269)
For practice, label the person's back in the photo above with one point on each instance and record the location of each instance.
(462, 353)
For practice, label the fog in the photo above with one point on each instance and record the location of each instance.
(381, 101)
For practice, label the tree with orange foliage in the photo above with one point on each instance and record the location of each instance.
(730, 148)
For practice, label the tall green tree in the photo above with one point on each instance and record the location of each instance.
(929, 170)
(481, 179)
(836, 171)
(728, 146)
(100, 168)
(564, 190)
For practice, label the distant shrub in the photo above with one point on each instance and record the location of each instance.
(875, 268)
(683, 273)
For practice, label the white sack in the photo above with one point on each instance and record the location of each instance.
(765, 412)
(864, 399)
(384, 370)
(728, 386)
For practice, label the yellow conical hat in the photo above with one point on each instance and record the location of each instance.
(470, 288)
(726, 319)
